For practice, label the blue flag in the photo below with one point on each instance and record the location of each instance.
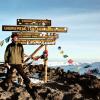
(7, 39)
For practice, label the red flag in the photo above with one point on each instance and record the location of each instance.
(89, 72)
(70, 61)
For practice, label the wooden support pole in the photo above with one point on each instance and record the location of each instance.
(45, 66)
(34, 53)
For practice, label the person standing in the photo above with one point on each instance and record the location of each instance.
(14, 56)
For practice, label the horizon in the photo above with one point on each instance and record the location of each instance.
(82, 17)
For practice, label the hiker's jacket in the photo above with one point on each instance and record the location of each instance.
(14, 53)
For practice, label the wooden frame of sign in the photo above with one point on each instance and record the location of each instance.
(33, 38)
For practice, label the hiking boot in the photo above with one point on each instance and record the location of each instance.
(4, 86)
(32, 90)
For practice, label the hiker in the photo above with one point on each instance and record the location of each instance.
(14, 57)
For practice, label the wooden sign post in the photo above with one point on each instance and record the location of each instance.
(30, 33)
(45, 65)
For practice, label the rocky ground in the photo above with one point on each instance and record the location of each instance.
(60, 86)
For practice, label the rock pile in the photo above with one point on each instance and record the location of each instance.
(60, 86)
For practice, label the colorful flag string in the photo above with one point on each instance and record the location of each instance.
(6, 40)
(69, 61)
(62, 52)
(1, 43)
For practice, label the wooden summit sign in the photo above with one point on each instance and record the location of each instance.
(30, 33)
(34, 22)
(34, 29)
(32, 38)
(37, 41)
(35, 35)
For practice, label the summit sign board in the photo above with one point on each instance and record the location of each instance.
(34, 22)
(34, 29)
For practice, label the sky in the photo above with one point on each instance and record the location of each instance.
(82, 17)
